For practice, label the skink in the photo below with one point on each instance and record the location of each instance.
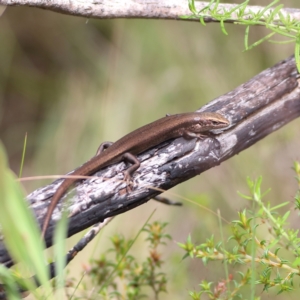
(187, 125)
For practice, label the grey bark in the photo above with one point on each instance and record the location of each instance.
(157, 9)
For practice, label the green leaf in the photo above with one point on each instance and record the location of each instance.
(261, 13)
(23, 156)
(279, 205)
(274, 13)
(60, 250)
(201, 19)
(244, 196)
(19, 227)
(246, 39)
(296, 262)
(9, 282)
(286, 215)
(223, 27)
(261, 40)
(192, 7)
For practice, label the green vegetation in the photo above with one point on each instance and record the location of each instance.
(119, 275)
(276, 22)
(263, 249)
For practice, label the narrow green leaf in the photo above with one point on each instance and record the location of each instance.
(246, 38)
(262, 12)
(244, 196)
(279, 205)
(286, 215)
(9, 282)
(223, 27)
(274, 13)
(192, 7)
(60, 250)
(19, 227)
(261, 40)
(242, 8)
(23, 156)
(201, 19)
(281, 42)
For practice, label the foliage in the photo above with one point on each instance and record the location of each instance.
(22, 237)
(261, 255)
(118, 275)
(276, 21)
(23, 241)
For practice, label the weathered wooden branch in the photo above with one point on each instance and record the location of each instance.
(154, 9)
(256, 108)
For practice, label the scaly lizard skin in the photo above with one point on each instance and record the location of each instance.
(187, 125)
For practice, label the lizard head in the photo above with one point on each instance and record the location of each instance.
(208, 121)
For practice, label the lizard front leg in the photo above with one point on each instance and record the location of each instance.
(128, 157)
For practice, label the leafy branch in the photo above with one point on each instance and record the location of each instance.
(271, 17)
(258, 257)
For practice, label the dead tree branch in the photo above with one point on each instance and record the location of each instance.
(144, 9)
(256, 108)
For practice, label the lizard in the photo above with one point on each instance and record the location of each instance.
(187, 125)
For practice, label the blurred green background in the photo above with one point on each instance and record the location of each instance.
(71, 83)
